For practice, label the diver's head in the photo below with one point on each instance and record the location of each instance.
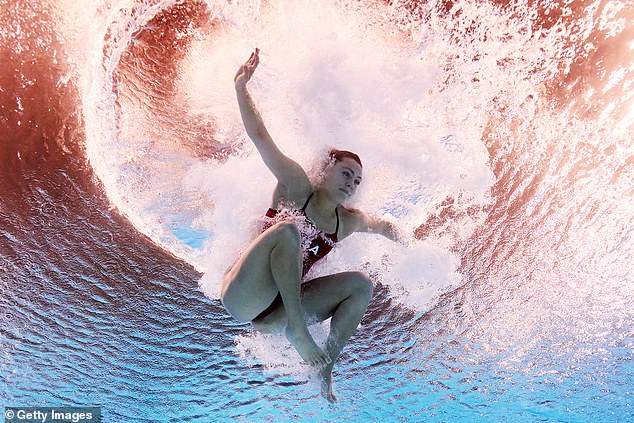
(342, 174)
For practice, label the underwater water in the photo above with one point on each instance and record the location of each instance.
(499, 133)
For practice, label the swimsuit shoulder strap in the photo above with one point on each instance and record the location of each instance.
(303, 210)
(306, 203)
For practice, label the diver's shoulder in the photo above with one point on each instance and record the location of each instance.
(351, 219)
(294, 196)
(349, 212)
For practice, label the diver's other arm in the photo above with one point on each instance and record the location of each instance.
(287, 171)
(366, 223)
(389, 230)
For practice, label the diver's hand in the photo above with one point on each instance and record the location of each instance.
(246, 71)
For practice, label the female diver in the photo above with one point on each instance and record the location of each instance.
(264, 286)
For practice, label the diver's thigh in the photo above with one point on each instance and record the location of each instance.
(321, 296)
(248, 287)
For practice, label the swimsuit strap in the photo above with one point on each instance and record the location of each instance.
(306, 203)
(303, 209)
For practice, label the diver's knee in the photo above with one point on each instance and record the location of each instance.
(288, 232)
(362, 284)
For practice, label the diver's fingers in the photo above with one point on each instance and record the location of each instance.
(256, 58)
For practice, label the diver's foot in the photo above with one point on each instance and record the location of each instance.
(306, 347)
(326, 384)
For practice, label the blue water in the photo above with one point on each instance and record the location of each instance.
(190, 237)
(161, 351)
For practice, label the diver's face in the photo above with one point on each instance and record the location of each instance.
(342, 179)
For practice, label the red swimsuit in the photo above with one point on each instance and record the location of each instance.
(319, 243)
(315, 246)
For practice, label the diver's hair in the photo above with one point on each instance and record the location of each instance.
(338, 155)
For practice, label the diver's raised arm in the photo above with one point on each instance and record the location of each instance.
(288, 172)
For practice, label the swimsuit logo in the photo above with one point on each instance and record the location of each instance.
(314, 249)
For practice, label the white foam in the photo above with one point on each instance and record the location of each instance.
(345, 84)
(275, 353)
(415, 98)
(354, 88)
(412, 101)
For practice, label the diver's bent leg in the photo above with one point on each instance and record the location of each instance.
(248, 286)
(286, 269)
(345, 298)
(344, 321)
(272, 265)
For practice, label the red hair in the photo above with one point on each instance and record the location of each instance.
(339, 155)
